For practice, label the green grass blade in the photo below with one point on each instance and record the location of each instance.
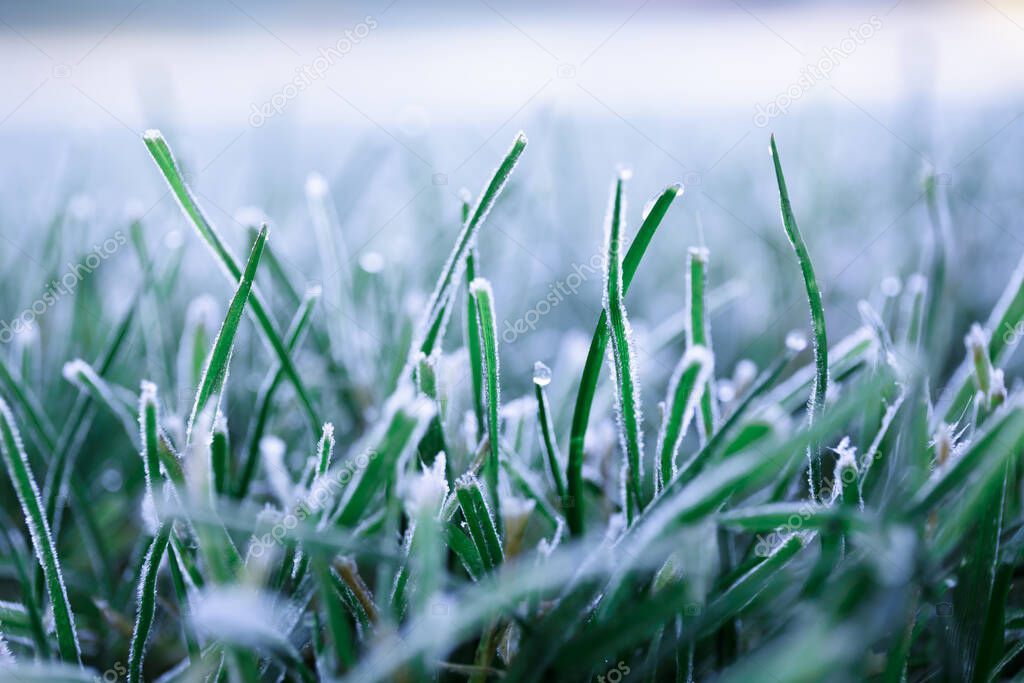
(439, 300)
(698, 333)
(623, 358)
(845, 356)
(541, 378)
(149, 421)
(338, 628)
(42, 430)
(165, 161)
(220, 457)
(816, 403)
(482, 295)
(375, 466)
(216, 371)
(473, 336)
(425, 375)
(83, 376)
(595, 356)
(688, 381)
(479, 521)
(741, 593)
(465, 550)
(27, 492)
(15, 549)
(72, 433)
(264, 401)
(178, 578)
(146, 602)
(1001, 436)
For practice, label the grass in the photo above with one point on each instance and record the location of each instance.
(200, 524)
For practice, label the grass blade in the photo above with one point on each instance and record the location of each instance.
(264, 400)
(146, 602)
(623, 358)
(467, 237)
(168, 166)
(687, 384)
(816, 403)
(216, 371)
(1001, 437)
(482, 295)
(15, 550)
(541, 378)
(473, 335)
(27, 492)
(698, 333)
(479, 521)
(595, 356)
(78, 422)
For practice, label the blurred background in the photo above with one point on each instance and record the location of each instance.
(400, 104)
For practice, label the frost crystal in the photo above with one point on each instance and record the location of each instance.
(427, 490)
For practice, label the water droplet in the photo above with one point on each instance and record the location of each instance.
(372, 262)
(316, 186)
(891, 286)
(111, 479)
(541, 374)
(796, 341)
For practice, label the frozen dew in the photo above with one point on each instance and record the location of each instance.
(147, 512)
(237, 614)
(372, 262)
(174, 239)
(796, 341)
(316, 187)
(541, 374)
(427, 490)
(81, 207)
(111, 479)
(891, 287)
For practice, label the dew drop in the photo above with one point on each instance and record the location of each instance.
(111, 479)
(541, 374)
(796, 341)
(372, 262)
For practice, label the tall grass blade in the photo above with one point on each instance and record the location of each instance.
(623, 358)
(16, 461)
(264, 400)
(480, 521)
(541, 378)
(146, 602)
(483, 297)
(216, 371)
(816, 403)
(14, 547)
(595, 356)
(688, 382)
(168, 166)
(698, 333)
(439, 300)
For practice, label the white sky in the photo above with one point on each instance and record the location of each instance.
(408, 76)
